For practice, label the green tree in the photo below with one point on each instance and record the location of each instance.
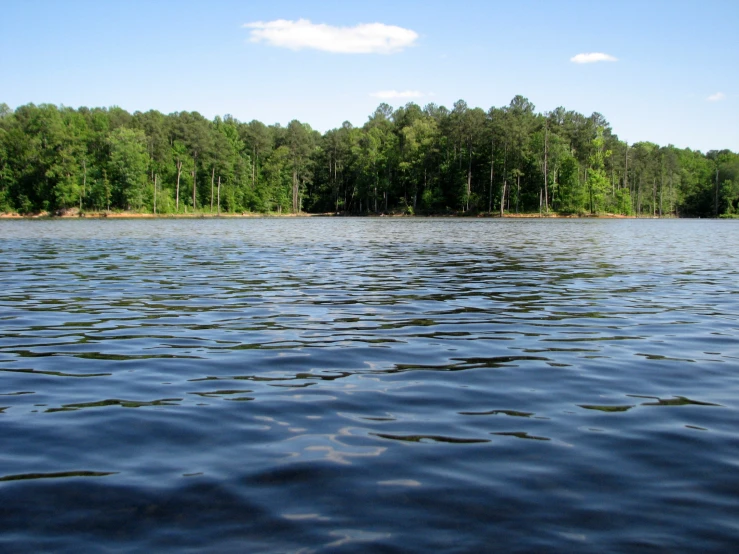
(300, 143)
(597, 182)
(129, 162)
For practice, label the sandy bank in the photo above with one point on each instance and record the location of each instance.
(74, 213)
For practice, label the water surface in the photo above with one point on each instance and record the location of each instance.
(342, 385)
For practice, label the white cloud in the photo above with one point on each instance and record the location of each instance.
(716, 97)
(393, 94)
(365, 38)
(592, 57)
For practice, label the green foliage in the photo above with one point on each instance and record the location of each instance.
(598, 187)
(570, 195)
(128, 165)
(407, 160)
(623, 202)
(432, 200)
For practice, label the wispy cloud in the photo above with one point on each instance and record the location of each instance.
(592, 57)
(365, 38)
(716, 97)
(394, 94)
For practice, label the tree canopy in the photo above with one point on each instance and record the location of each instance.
(412, 160)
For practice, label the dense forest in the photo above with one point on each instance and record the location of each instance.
(429, 160)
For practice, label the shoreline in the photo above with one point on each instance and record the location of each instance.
(135, 215)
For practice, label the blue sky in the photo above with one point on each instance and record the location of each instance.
(675, 78)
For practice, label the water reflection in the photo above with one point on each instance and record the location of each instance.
(360, 384)
(429, 438)
(115, 402)
(55, 475)
(521, 435)
(676, 401)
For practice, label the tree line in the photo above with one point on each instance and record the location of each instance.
(413, 160)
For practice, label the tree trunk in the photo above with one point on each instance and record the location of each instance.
(376, 180)
(425, 182)
(546, 177)
(106, 184)
(219, 195)
(613, 182)
(518, 190)
(654, 196)
(661, 187)
(295, 190)
(626, 169)
(492, 174)
(715, 197)
(177, 190)
(194, 179)
(469, 176)
(84, 181)
(333, 181)
(212, 177)
(505, 179)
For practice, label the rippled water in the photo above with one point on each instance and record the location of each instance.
(385, 385)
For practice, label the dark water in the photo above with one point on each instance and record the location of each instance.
(350, 385)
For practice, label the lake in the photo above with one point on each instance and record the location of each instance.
(369, 384)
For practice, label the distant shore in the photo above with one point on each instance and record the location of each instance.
(75, 214)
